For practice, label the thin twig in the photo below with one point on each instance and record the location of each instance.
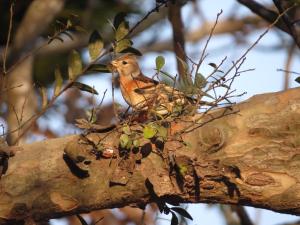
(288, 64)
(11, 11)
(155, 9)
(203, 55)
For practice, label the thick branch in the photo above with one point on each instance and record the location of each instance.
(250, 158)
(265, 13)
(178, 37)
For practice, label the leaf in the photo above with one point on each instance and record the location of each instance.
(182, 212)
(132, 50)
(174, 220)
(186, 79)
(124, 141)
(95, 45)
(69, 23)
(183, 63)
(297, 80)
(149, 131)
(80, 29)
(119, 18)
(82, 221)
(98, 68)
(136, 143)
(160, 62)
(187, 144)
(126, 130)
(162, 132)
(84, 87)
(200, 81)
(122, 31)
(44, 97)
(91, 115)
(213, 65)
(122, 45)
(58, 81)
(75, 65)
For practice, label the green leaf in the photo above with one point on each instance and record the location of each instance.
(186, 79)
(149, 131)
(297, 80)
(124, 140)
(162, 132)
(160, 62)
(174, 220)
(183, 63)
(122, 45)
(98, 68)
(200, 81)
(187, 144)
(122, 31)
(126, 130)
(132, 50)
(84, 87)
(82, 221)
(91, 115)
(182, 212)
(95, 45)
(75, 65)
(58, 81)
(119, 18)
(136, 143)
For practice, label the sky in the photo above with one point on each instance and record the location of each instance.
(265, 78)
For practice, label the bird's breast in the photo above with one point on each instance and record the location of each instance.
(133, 98)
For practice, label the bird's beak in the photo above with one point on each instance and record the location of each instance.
(112, 65)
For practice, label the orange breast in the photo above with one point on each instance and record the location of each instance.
(128, 87)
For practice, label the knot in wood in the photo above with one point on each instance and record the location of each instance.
(259, 179)
(212, 139)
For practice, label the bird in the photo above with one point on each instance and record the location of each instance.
(145, 94)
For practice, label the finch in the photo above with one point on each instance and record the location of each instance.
(145, 94)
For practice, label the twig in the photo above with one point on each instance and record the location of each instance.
(288, 64)
(242, 214)
(257, 40)
(155, 9)
(11, 11)
(202, 57)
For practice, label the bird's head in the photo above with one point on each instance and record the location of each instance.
(126, 65)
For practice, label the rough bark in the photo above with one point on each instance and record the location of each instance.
(249, 158)
(22, 101)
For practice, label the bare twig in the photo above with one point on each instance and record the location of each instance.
(242, 214)
(203, 55)
(288, 65)
(11, 11)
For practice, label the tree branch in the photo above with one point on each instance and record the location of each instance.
(250, 158)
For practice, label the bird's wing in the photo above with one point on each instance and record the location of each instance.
(145, 79)
(145, 84)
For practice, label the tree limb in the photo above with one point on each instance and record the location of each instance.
(250, 158)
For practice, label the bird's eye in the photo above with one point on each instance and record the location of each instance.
(124, 62)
